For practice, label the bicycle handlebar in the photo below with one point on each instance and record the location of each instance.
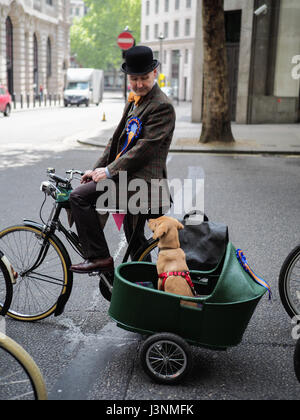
(57, 178)
(49, 188)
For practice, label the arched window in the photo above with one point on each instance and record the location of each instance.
(9, 54)
(49, 58)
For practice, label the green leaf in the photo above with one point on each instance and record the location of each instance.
(94, 37)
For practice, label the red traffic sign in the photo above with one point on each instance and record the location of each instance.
(125, 40)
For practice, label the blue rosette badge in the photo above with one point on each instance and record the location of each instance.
(244, 263)
(133, 130)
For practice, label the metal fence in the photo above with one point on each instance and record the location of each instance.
(42, 100)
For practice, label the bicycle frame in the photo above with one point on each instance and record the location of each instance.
(46, 237)
(54, 224)
(48, 230)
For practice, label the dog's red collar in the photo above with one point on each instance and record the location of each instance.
(185, 274)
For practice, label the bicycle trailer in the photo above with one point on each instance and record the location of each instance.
(226, 299)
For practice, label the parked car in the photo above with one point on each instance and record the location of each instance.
(5, 101)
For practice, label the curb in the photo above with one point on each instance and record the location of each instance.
(191, 149)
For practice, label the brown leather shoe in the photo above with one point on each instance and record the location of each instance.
(88, 266)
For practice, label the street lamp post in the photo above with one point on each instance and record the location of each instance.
(178, 82)
(161, 38)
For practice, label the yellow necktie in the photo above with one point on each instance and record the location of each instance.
(132, 97)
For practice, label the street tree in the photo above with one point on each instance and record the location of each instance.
(216, 125)
(94, 37)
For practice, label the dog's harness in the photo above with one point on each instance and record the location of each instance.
(185, 274)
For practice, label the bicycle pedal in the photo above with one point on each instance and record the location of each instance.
(94, 273)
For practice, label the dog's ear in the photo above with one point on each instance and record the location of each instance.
(160, 230)
(152, 224)
(179, 226)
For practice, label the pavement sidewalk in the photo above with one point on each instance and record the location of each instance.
(278, 139)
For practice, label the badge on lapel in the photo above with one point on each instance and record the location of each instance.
(133, 130)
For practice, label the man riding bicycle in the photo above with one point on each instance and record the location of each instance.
(141, 154)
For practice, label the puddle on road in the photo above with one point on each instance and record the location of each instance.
(13, 159)
(16, 154)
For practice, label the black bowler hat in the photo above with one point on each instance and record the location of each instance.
(139, 60)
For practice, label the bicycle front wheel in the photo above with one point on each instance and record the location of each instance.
(289, 283)
(36, 291)
(20, 377)
(6, 288)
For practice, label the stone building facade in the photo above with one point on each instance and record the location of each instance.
(169, 28)
(34, 45)
(262, 51)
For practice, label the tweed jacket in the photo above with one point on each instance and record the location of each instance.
(146, 159)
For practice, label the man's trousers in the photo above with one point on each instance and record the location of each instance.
(90, 224)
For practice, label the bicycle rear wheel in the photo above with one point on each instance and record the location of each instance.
(289, 283)
(20, 377)
(149, 252)
(6, 288)
(36, 292)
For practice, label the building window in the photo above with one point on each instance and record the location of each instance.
(177, 4)
(166, 5)
(147, 32)
(176, 28)
(186, 56)
(49, 2)
(188, 4)
(156, 6)
(156, 30)
(166, 29)
(49, 58)
(147, 7)
(187, 28)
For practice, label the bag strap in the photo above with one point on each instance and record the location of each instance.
(193, 212)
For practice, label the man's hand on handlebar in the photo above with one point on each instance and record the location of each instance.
(96, 175)
(86, 177)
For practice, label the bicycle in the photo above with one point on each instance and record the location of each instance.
(41, 260)
(6, 278)
(289, 283)
(20, 377)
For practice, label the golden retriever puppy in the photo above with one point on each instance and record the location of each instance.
(172, 269)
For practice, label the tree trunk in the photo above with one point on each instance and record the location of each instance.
(216, 125)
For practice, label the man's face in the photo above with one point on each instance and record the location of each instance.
(141, 85)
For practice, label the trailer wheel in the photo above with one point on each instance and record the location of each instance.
(166, 358)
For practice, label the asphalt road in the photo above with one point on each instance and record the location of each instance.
(84, 355)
